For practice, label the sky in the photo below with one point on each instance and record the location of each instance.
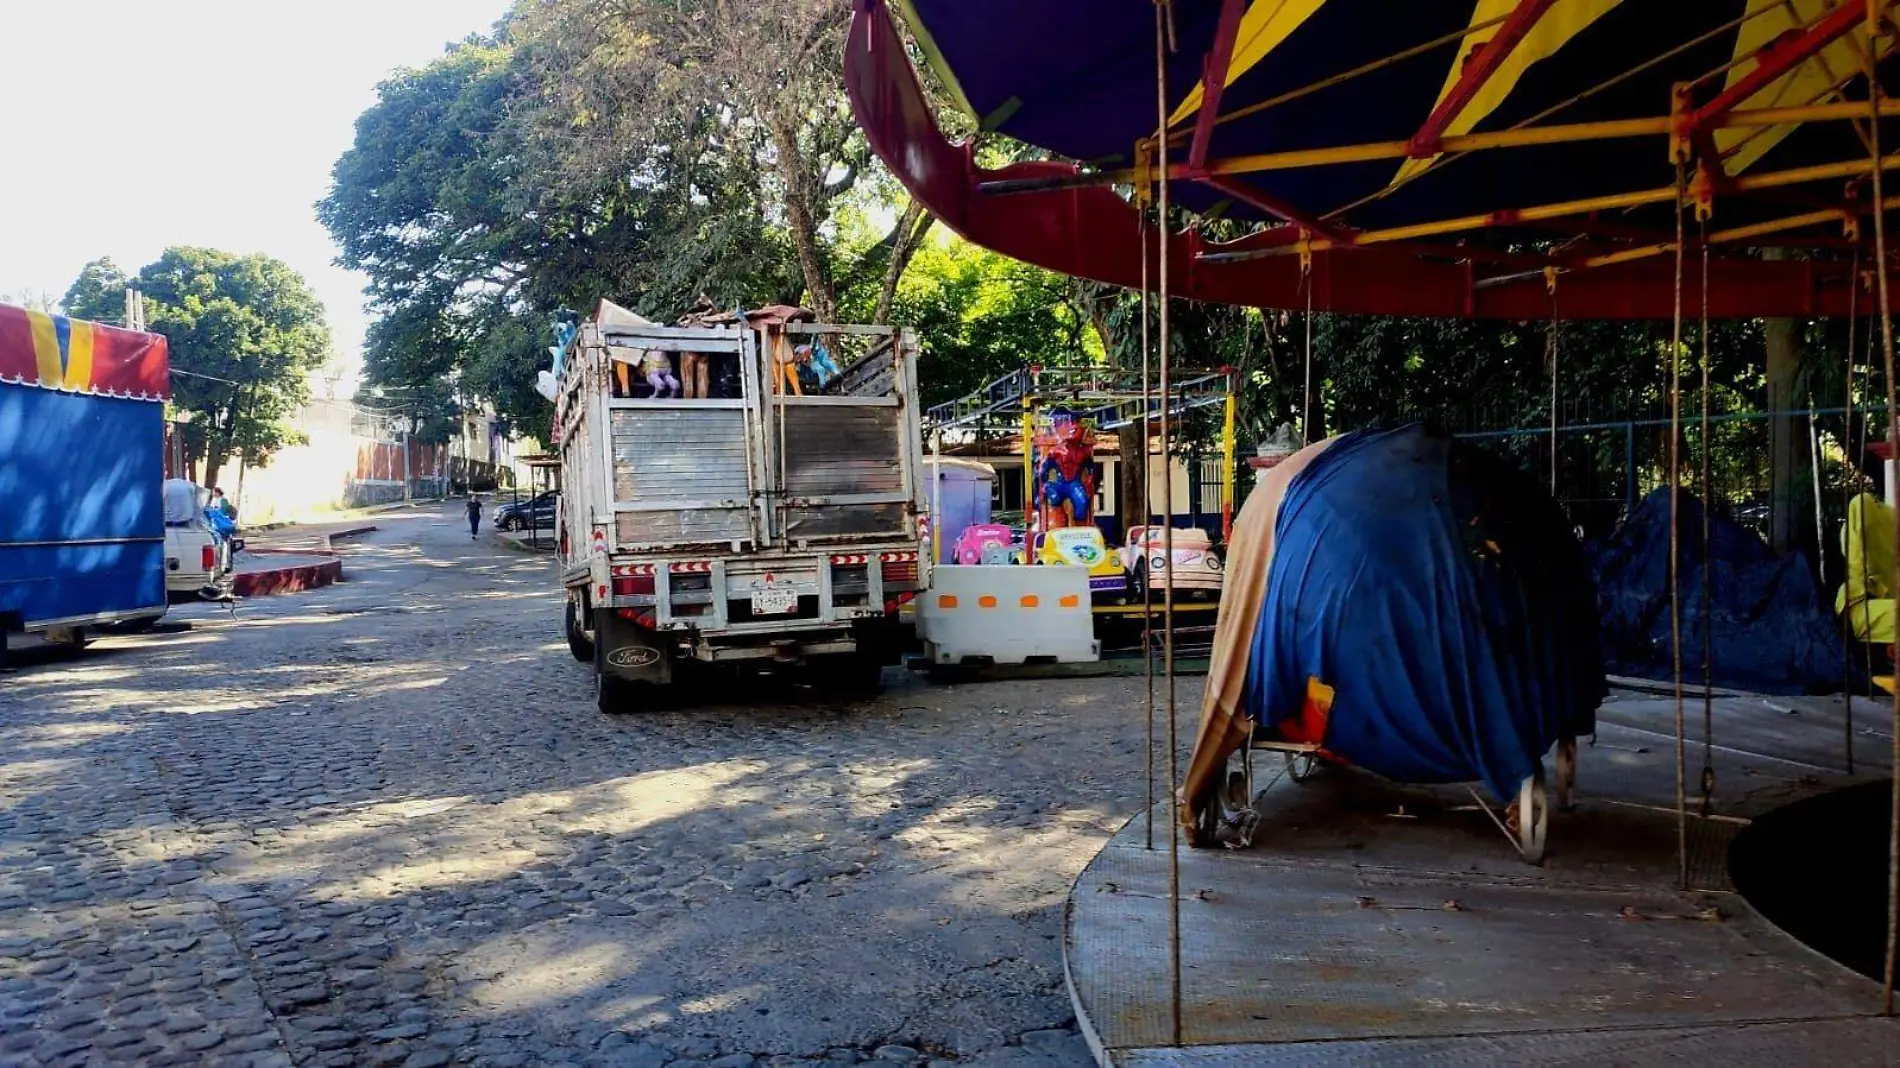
(138, 124)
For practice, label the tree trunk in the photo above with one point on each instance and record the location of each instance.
(214, 460)
(1786, 448)
(801, 219)
(911, 229)
(1131, 469)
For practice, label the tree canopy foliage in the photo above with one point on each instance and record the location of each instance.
(654, 151)
(245, 333)
(647, 152)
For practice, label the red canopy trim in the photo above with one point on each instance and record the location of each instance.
(76, 356)
(1091, 232)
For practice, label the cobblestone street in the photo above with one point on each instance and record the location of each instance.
(382, 823)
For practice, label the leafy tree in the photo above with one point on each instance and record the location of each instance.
(245, 334)
(472, 240)
(755, 90)
(99, 292)
(980, 315)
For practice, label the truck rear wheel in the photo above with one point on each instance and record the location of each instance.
(578, 643)
(854, 673)
(612, 694)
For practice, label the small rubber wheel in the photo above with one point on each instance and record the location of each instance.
(1235, 795)
(578, 643)
(1301, 767)
(1533, 818)
(1566, 773)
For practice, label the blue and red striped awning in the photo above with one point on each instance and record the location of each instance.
(1342, 129)
(76, 356)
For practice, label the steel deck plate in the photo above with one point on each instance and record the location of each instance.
(1377, 923)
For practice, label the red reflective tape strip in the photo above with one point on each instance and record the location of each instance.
(17, 362)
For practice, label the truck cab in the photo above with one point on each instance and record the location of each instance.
(771, 524)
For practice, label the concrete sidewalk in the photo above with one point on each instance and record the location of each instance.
(524, 541)
(259, 574)
(289, 559)
(315, 538)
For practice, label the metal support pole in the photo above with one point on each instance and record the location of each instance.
(1147, 515)
(1227, 447)
(1675, 554)
(1162, 15)
(936, 498)
(1629, 469)
(1893, 436)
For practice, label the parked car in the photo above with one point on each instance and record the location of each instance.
(198, 562)
(1197, 570)
(537, 511)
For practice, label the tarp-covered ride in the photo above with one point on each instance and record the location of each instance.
(1407, 603)
(1768, 630)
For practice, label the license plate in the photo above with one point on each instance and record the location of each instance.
(774, 602)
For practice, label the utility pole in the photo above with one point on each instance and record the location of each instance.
(408, 420)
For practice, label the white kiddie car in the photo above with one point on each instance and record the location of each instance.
(1196, 572)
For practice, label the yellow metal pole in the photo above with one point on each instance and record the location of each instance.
(1741, 233)
(1562, 209)
(1567, 133)
(1227, 465)
(1029, 478)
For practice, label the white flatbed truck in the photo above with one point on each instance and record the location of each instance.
(757, 526)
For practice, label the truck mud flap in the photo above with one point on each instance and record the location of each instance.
(632, 652)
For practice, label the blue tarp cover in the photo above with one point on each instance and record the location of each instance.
(1437, 589)
(1772, 632)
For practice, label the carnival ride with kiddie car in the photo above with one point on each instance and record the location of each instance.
(1051, 417)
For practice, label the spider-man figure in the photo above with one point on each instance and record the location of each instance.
(1067, 475)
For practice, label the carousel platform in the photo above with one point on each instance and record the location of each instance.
(1372, 923)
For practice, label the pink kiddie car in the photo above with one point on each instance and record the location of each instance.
(984, 543)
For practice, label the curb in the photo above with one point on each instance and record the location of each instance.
(351, 532)
(248, 551)
(286, 579)
(495, 537)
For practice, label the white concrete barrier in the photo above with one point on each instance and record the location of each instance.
(1007, 615)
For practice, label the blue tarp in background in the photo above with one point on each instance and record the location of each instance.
(1440, 592)
(1772, 632)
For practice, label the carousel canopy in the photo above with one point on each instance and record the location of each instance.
(1482, 157)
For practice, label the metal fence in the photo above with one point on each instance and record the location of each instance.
(1603, 469)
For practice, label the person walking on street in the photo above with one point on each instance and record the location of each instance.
(474, 515)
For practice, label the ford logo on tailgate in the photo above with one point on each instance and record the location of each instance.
(633, 656)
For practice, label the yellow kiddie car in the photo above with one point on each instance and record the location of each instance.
(1085, 547)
